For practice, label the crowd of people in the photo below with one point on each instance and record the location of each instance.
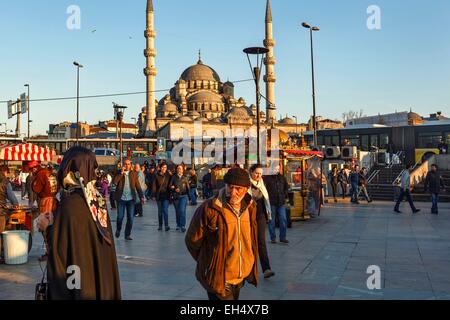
(226, 235)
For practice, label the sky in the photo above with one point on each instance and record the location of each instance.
(401, 66)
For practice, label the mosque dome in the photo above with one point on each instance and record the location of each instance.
(239, 113)
(287, 121)
(205, 97)
(202, 119)
(169, 107)
(201, 72)
(184, 119)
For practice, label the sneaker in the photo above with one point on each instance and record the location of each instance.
(128, 238)
(136, 215)
(398, 211)
(183, 230)
(416, 211)
(268, 273)
(160, 229)
(117, 234)
(284, 241)
(273, 241)
(178, 229)
(167, 228)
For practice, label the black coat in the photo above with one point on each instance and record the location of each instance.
(74, 240)
(278, 188)
(160, 187)
(434, 182)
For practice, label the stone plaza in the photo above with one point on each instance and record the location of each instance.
(327, 258)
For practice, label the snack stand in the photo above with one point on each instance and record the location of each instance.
(295, 165)
(21, 217)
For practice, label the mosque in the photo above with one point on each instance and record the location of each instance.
(199, 95)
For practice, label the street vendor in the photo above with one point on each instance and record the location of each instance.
(45, 186)
(6, 194)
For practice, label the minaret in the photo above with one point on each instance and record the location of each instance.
(270, 62)
(150, 71)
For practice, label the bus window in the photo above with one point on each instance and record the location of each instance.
(384, 140)
(374, 140)
(429, 139)
(365, 143)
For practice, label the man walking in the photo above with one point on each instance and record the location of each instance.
(405, 192)
(434, 183)
(139, 212)
(354, 181)
(223, 239)
(362, 184)
(277, 188)
(127, 192)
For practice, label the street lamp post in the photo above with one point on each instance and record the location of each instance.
(256, 71)
(311, 29)
(296, 124)
(29, 121)
(119, 111)
(78, 65)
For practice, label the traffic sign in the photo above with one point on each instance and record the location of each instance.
(10, 111)
(23, 103)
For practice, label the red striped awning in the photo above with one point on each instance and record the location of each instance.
(26, 152)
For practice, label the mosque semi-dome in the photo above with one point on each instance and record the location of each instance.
(184, 119)
(205, 97)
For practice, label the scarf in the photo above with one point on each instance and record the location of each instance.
(262, 188)
(94, 200)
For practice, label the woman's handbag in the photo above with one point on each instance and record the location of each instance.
(41, 292)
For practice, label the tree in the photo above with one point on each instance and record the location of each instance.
(350, 115)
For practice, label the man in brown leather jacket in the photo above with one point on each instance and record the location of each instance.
(223, 239)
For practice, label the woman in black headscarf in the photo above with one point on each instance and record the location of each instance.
(82, 263)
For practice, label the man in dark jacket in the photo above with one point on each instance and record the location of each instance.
(354, 181)
(223, 239)
(128, 189)
(434, 183)
(277, 188)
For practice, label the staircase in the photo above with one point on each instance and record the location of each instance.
(380, 187)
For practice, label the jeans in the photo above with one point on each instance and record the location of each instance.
(24, 189)
(148, 192)
(334, 189)
(193, 194)
(344, 189)
(180, 210)
(139, 209)
(281, 212)
(434, 202)
(363, 189)
(163, 212)
(355, 193)
(262, 248)
(407, 194)
(111, 200)
(129, 206)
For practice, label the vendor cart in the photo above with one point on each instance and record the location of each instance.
(295, 164)
(18, 218)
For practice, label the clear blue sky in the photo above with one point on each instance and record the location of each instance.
(404, 65)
